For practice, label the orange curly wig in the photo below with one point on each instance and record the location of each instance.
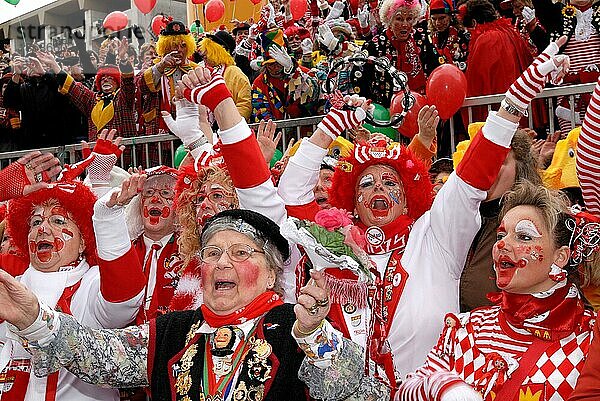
(74, 196)
(412, 171)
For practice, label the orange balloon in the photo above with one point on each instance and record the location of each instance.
(214, 10)
(115, 21)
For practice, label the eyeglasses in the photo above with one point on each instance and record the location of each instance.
(214, 196)
(236, 252)
(167, 194)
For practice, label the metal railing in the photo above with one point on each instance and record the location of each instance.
(138, 149)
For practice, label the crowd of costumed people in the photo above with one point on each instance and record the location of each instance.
(368, 260)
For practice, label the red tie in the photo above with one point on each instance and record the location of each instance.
(63, 305)
(147, 268)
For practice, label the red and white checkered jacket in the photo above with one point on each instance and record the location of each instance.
(484, 338)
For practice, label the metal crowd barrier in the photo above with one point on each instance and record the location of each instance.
(138, 149)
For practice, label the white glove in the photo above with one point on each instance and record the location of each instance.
(253, 32)
(528, 14)
(282, 57)
(461, 392)
(257, 63)
(323, 5)
(326, 37)
(271, 19)
(187, 125)
(307, 46)
(336, 10)
(363, 16)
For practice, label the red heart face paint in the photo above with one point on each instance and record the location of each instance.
(520, 252)
(380, 196)
(54, 238)
(157, 206)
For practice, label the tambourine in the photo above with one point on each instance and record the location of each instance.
(381, 64)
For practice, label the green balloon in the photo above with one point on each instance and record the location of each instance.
(380, 112)
(180, 154)
(276, 157)
(387, 131)
(196, 28)
(13, 2)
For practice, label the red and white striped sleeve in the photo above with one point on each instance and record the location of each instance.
(588, 154)
(431, 380)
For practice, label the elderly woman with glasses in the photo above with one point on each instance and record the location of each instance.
(243, 343)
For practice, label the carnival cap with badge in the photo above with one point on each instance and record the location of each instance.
(412, 172)
(74, 196)
(171, 36)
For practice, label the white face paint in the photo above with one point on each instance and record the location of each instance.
(366, 181)
(528, 228)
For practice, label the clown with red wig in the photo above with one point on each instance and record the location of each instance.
(76, 263)
(418, 247)
(110, 105)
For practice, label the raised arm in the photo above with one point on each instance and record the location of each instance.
(302, 172)
(456, 206)
(588, 154)
(241, 151)
(122, 281)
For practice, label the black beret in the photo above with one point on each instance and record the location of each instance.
(224, 39)
(267, 228)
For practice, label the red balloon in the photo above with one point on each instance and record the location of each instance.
(410, 124)
(214, 10)
(159, 22)
(115, 21)
(446, 90)
(298, 8)
(145, 6)
(199, 1)
(255, 2)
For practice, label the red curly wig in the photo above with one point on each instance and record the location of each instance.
(412, 172)
(111, 71)
(292, 30)
(74, 196)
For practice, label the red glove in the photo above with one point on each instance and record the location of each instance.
(104, 157)
(12, 181)
(71, 172)
(216, 87)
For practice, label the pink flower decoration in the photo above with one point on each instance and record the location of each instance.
(333, 218)
(355, 239)
(409, 164)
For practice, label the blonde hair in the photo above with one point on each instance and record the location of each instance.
(189, 238)
(215, 54)
(166, 43)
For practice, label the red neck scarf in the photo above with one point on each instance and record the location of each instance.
(563, 308)
(388, 238)
(259, 306)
